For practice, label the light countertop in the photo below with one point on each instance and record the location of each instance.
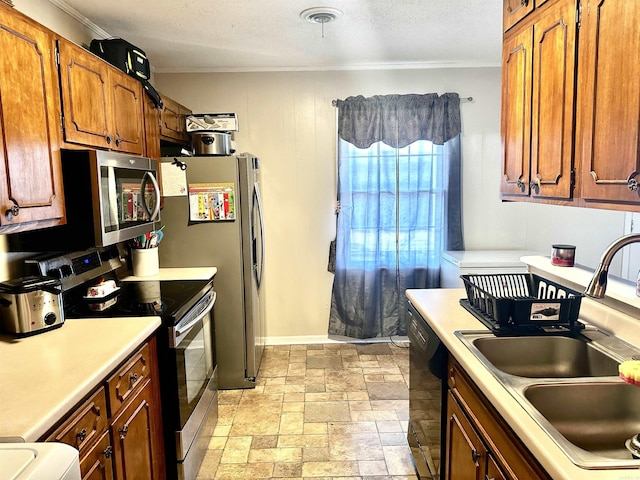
(42, 377)
(441, 309)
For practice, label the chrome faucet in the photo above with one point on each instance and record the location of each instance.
(598, 283)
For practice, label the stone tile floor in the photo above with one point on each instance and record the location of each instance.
(333, 411)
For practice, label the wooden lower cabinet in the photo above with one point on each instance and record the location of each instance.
(466, 454)
(97, 463)
(118, 429)
(134, 446)
(480, 445)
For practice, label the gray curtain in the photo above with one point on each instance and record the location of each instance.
(368, 298)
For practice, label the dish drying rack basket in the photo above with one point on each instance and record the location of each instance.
(521, 302)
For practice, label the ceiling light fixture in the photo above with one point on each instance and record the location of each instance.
(320, 15)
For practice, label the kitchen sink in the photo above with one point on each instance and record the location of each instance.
(595, 417)
(546, 357)
(569, 386)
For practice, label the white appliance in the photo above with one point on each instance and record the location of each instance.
(38, 461)
(466, 262)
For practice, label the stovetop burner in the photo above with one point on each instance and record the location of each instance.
(169, 299)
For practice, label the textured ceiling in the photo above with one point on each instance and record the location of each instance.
(260, 35)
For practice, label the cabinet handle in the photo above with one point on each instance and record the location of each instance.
(123, 432)
(108, 452)
(534, 186)
(109, 139)
(520, 185)
(118, 141)
(81, 435)
(524, 3)
(632, 183)
(13, 211)
(475, 456)
(133, 378)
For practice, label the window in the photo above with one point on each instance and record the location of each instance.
(392, 204)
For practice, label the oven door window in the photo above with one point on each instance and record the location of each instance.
(129, 197)
(194, 365)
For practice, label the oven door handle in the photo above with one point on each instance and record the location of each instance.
(178, 332)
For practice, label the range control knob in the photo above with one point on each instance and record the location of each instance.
(50, 318)
(66, 271)
(55, 273)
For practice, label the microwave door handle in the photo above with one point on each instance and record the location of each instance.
(156, 187)
(178, 332)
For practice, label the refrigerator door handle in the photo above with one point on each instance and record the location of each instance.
(258, 202)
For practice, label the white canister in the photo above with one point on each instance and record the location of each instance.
(145, 261)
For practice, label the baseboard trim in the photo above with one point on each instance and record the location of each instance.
(315, 339)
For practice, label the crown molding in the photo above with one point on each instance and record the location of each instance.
(73, 13)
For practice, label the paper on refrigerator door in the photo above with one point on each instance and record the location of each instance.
(174, 180)
(210, 202)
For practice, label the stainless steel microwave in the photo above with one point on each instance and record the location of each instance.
(109, 198)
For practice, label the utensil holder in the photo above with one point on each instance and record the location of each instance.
(145, 262)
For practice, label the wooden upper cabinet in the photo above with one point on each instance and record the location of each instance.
(30, 171)
(172, 122)
(102, 106)
(552, 122)
(515, 10)
(538, 78)
(608, 106)
(151, 129)
(517, 58)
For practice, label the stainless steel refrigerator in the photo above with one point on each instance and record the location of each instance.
(219, 222)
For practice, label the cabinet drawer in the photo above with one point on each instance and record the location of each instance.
(129, 378)
(86, 425)
(97, 464)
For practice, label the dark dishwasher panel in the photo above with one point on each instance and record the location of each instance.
(427, 395)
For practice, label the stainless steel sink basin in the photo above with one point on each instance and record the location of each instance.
(596, 417)
(546, 357)
(570, 388)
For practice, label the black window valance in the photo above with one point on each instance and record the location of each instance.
(399, 120)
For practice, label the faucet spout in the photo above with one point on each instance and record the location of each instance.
(598, 284)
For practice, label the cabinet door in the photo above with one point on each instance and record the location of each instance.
(552, 108)
(466, 454)
(172, 125)
(135, 438)
(493, 470)
(128, 121)
(609, 101)
(515, 10)
(97, 464)
(29, 142)
(516, 113)
(86, 103)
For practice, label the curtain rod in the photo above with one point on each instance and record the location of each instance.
(462, 99)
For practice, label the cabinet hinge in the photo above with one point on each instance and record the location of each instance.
(57, 58)
(579, 14)
(573, 178)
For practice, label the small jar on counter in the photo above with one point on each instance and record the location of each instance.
(563, 255)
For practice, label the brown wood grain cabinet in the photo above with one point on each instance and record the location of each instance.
(31, 192)
(102, 107)
(538, 79)
(515, 10)
(570, 122)
(172, 126)
(608, 107)
(118, 429)
(151, 129)
(479, 443)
